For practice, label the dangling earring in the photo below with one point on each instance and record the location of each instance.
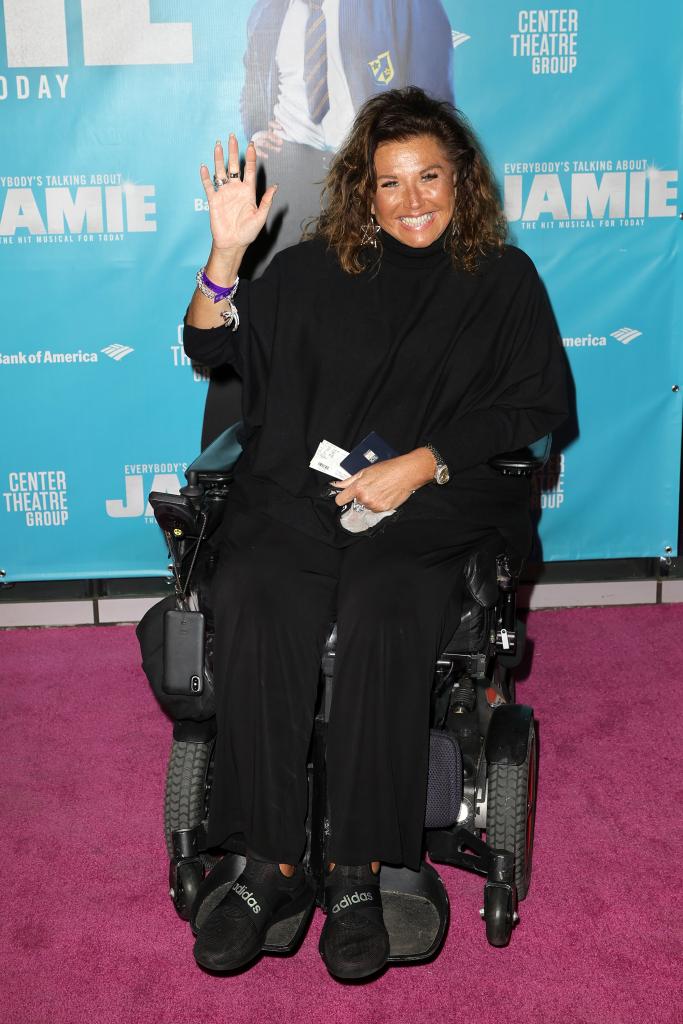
(454, 222)
(369, 232)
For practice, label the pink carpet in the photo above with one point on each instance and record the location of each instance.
(89, 935)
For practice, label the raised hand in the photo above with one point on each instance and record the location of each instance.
(234, 217)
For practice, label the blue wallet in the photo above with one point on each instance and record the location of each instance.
(371, 449)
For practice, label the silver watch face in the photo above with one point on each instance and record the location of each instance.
(442, 476)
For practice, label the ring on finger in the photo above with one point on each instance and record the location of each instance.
(217, 182)
(234, 174)
(357, 506)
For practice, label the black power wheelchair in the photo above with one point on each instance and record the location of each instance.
(483, 749)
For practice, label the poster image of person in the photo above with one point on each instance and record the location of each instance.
(309, 66)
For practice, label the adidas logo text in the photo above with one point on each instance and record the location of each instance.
(349, 899)
(247, 896)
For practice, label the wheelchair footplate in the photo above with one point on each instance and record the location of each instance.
(416, 912)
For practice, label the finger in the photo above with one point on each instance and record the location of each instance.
(266, 202)
(348, 481)
(345, 496)
(219, 160)
(250, 165)
(205, 175)
(233, 155)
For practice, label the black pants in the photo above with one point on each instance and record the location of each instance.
(396, 600)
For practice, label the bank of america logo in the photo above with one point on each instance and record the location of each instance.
(458, 38)
(625, 334)
(117, 352)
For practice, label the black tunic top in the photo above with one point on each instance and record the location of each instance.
(413, 349)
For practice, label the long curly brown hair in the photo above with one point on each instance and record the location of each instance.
(479, 226)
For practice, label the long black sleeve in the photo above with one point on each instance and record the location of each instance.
(525, 393)
(248, 348)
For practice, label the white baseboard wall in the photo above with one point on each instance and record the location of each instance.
(575, 595)
(109, 610)
(47, 613)
(124, 609)
(672, 591)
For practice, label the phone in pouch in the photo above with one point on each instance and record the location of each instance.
(183, 652)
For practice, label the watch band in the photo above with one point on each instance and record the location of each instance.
(441, 474)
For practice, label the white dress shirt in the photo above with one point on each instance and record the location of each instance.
(291, 108)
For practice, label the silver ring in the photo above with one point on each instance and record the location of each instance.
(217, 182)
(234, 174)
(357, 507)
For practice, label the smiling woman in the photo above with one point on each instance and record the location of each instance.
(403, 314)
(415, 196)
(413, 166)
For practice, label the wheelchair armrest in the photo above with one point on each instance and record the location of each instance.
(174, 511)
(220, 457)
(523, 461)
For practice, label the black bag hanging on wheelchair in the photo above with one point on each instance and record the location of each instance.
(174, 640)
(173, 644)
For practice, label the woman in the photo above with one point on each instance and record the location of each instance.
(406, 314)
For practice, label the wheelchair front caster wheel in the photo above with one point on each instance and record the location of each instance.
(499, 913)
(184, 880)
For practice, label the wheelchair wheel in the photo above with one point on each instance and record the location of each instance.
(511, 811)
(184, 880)
(498, 914)
(188, 783)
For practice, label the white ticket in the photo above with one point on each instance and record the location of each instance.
(327, 460)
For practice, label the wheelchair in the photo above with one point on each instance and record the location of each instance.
(483, 764)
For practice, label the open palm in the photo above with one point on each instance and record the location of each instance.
(235, 218)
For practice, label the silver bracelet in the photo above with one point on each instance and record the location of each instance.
(205, 288)
(230, 315)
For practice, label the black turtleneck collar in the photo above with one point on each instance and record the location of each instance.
(396, 252)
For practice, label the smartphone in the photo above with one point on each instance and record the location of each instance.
(184, 652)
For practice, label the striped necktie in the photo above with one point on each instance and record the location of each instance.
(315, 62)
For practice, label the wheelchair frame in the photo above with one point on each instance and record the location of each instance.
(472, 700)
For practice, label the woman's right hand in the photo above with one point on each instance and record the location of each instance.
(233, 214)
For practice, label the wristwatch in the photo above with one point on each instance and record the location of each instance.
(441, 474)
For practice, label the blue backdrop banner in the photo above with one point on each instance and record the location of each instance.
(107, 112)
